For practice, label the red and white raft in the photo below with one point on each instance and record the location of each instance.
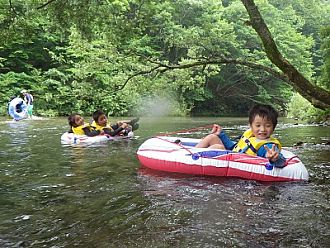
(175, 154)
(74, 139)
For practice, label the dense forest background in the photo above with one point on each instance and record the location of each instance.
(128, 57)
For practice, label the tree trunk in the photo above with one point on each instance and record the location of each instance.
(318, 96)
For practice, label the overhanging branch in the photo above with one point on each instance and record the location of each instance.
(318, 96)
(162, 67)
(45, 4)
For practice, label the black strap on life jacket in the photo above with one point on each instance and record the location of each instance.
(249, 145)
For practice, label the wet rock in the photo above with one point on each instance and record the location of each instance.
(271, 193)
(299, 144)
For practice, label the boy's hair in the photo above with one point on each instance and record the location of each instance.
(71, 120)
(97, 114)
(264, 111)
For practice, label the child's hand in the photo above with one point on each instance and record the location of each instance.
(101, 132)
(272, 154)
(124, 125)
(216, 129)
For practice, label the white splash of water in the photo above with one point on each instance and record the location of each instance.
(156, 106)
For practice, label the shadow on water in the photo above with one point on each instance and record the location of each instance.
(100, 196)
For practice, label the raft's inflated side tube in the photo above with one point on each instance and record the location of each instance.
(73, 139)
(17, 109)
(177, 154)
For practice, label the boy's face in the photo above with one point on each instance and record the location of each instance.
(79, 120)
(261, 128)
(102, 120)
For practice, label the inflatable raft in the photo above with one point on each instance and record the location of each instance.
(174, 154)
(71, 138)
(17, 109)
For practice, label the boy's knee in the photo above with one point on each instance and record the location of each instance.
(214, 137)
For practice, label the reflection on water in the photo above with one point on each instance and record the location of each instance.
(100, 196)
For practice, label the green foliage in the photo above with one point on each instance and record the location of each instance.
(301, 109)
(313, 16)
(326, 54)
(77, 56)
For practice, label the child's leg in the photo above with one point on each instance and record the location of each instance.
(212, 141)
(134, 123)
(115, 126)
(217, 146)
(135, 126)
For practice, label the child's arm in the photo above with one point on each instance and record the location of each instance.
(112, 132)
(115, 126)
(227, 142)
(115, 131)
(272, 152)
(91, 133)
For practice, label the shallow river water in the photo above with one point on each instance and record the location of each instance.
(53, 195)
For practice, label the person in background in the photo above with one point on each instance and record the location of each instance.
(100, 122)
(255, 141)
(78, 126)
(28, 98)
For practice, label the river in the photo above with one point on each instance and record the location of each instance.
(99, 196)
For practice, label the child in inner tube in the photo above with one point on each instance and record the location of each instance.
(19, 107)
(78, 126)
(255, 141)
(101, 123)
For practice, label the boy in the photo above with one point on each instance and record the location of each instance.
(255, 141)
(78, 126)
(101, 123)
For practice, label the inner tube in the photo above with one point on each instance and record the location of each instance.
(17, 109)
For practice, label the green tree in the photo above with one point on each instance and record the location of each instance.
(82, 55)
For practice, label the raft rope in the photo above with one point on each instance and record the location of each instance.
(195, 130)
(289, 159)
(195, 156)
(177, 143)
(183, 131)
(187, 130)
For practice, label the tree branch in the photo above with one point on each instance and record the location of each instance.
(45, 4)
(137, 74)
(12, 8)
(318, 96)
(161, 68)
